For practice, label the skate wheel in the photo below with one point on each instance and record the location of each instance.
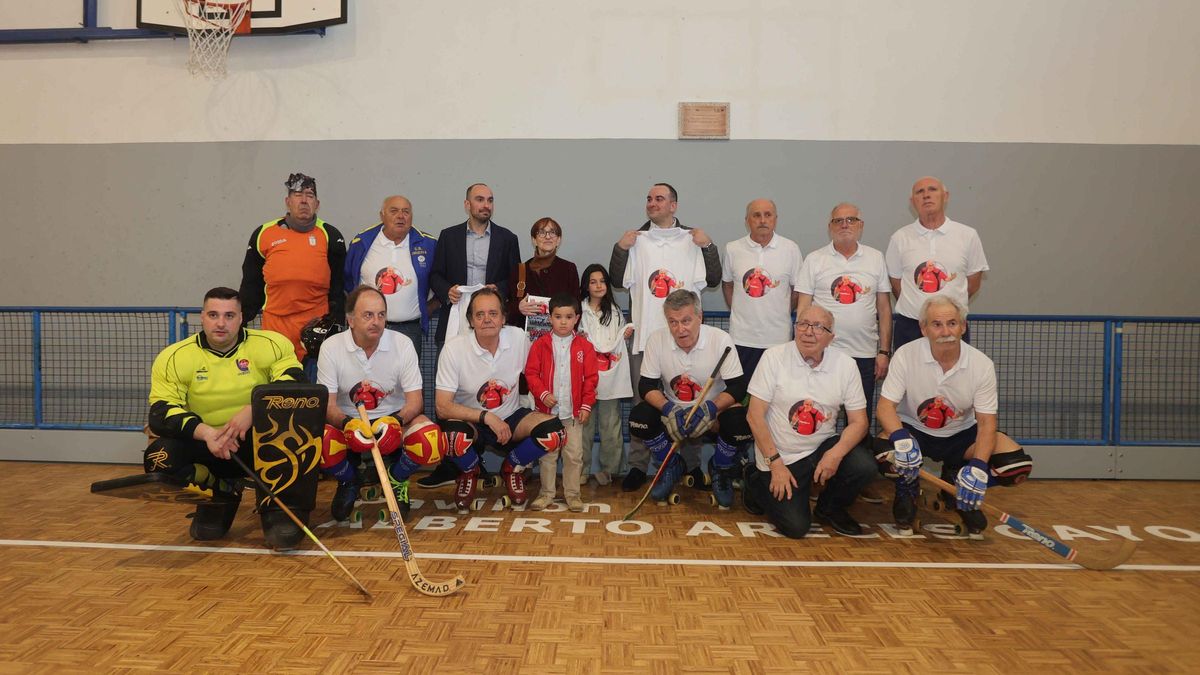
(505, 501)
(383, 516)
(369, 493)
(689, 480)
(491, 481)
(712, 500)
(356, 516)
(673, 499)
(938, 505)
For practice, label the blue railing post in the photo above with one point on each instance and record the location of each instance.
(1106, 392)
(1117, 347)
(36, 316)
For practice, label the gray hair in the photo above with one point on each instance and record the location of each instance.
(847, 205)
(941, 301)
(826, 314)
(681, 298)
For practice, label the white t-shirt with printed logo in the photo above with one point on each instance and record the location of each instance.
(847, 287)
(954, 249)
(762, 278)
(482, 380)
(388, 267)
(684, 374)
(935, 402)
(802, 401)
(662, 260)
(392, 371)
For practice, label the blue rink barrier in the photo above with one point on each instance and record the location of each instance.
(1063, 380)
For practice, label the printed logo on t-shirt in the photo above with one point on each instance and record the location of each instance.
(491, 394)
(930, 276)
(368, 393)
(243, 365)
(389, 280)
(806, 417)
(661, 283)
(846, 290)
(686, 389)
(756, 282)
(936, 412)
(605, 360)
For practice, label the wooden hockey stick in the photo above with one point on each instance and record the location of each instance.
(1091, 562)
(418, 580)
(674, 446)
(271, 493)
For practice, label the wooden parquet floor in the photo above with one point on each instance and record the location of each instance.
(555, 592)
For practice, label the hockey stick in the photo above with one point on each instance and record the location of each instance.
(418, 580)
(271, 493)
(1091, 562)
(674, 446)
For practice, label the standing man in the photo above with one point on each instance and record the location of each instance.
(377, 367)
(939, 401)
(932, 255)
(794, 399)
(200, 415)
(652, 261)
(397, 264)
(474, 252)
(850, 280)
(292, 271)
(760, 270)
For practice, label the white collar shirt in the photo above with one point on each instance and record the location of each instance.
(762, 277)
(684, 374)
(848, 288)
(388, 267)
(479, 379)
(940, 403)
(392, 371)
(955, 251)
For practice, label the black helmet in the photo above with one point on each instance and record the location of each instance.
(316, 331)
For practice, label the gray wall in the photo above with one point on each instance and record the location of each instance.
(1068, 229)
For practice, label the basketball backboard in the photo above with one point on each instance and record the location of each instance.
(267, 17)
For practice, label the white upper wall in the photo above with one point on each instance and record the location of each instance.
(1061, 71)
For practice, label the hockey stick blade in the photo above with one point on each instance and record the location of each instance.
(418, 580)
(674, 446)
(1083, 559)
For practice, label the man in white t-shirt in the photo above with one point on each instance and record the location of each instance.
(377, 368)
(794, 400)
(679, 360)
(661, 256)
(933, 255)
(759, 272)
(478, 402)
(939, 401)
(850, 280)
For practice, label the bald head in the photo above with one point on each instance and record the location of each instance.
(396, 216)
(760, 220)
(929, 199)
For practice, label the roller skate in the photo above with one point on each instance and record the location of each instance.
(904, 506)
(212, 520)
(973, 524)
(344, 498)
(663, 491)
(696, 478)
(400, 489)
(722, 484)
(464, 490)
(514, 482)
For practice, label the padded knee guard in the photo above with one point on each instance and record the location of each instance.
(460, 441)
(425, 444)
(733, 434)
(546, 436)
(645, 422)
(166, 455)
(1010, 468)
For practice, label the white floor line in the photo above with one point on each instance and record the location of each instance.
(829, 564)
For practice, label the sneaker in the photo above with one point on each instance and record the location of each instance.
(634, 480)
(671, 474)
(442, 475)
(280, 531)
(541, 502)
(975, 523)
(602, 478)
(904, 506)
(700, 480)
(400, 489)
(514, 483)
(749, 499)
(574, 503)
(343, 500)
(871, 494)
(838, 519)
(722, 484)
(464, 490)
(212, 520)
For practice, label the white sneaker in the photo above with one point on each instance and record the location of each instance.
(602, 478)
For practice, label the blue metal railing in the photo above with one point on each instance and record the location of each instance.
(1064, 380)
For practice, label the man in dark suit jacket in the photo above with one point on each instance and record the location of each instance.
(477, 251)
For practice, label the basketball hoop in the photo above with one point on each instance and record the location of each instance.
(210, 27)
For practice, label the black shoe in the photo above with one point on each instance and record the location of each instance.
(700, 480)
(634, 480)
(212, 520)
(343, 500)
(281, 533)
(749, 501)
(975, 522)
(904, 506)
(838, 519)
(442, 475)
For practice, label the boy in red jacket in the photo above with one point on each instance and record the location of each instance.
(561, 373)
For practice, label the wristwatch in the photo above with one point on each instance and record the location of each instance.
(885, 353)
(772, 458)
(482, 415)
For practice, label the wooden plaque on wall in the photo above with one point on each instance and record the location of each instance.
(704, 120)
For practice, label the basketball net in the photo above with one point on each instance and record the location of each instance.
(210, 27)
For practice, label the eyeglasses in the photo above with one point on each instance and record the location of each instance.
(548, 234)
(804, 326)
(852, 220)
